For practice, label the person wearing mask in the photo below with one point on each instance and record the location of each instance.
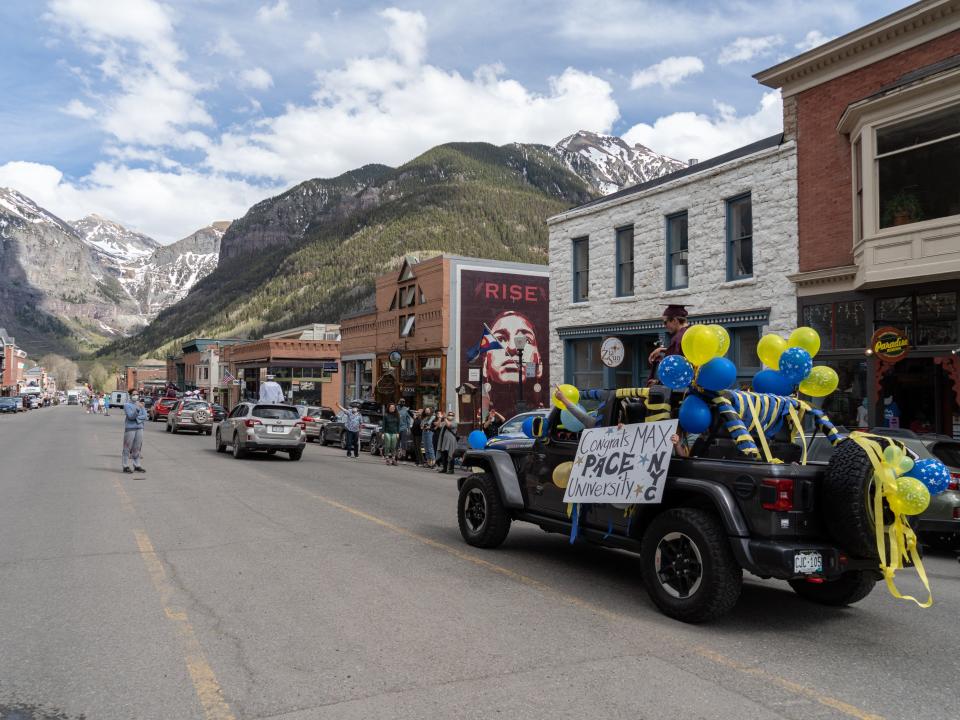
(271, 392)
(406, 423)
(351, 426)
(426, 427)
(391, 434)
(416, 439)
(491, 426)
(134, 417)
(447, 445)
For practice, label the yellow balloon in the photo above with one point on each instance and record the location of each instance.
(570, 393)
(561, 474)
(721, 332)
(806, 338)
(821, 381)
(911, 496)
(769, 350)
(700, 344)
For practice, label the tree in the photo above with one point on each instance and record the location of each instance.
(98, 376)
(64, 370)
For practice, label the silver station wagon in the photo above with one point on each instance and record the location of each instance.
(260, 426)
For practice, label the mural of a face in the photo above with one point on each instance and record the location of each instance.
(503, 366)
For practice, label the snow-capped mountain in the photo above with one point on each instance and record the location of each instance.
(607, 163)
(113, 241)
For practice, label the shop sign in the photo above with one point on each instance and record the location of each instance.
(612, 352)
(473, 375)
(890, 344)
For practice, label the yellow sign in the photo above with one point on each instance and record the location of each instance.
(890, 344)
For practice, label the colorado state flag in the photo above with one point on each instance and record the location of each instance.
(487, 342)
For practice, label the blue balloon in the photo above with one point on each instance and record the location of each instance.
(695, 415)
(772, 381)
(717, 374)
(932, 473)
(675, 371)
(477, 439)
(569, 420)
(795, 364)
(527, 427)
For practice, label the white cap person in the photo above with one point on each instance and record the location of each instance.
(271, 392)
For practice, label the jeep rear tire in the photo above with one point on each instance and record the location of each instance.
(846, 501)
(849, 588)
(688, 567)
(482, 518)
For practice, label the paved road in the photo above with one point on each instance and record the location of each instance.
(332, 588)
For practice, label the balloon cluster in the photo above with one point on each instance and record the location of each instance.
(567, 419)
(789, 365)
(910, 494)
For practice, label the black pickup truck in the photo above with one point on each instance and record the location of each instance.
(721, 513)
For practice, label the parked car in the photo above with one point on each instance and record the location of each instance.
(219, 412)
(194, 415)
(333, 432)
(315, 417)
(8, 405)
(33, 401)
(160, 408)
(512, 430)
(117, 399)
(21, 407)
(254, 426)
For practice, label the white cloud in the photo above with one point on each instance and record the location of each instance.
(166, 205)
(812, 40)
(225, 45)
(134, 42)
(280, 10)
(256, 79)
(696, 135)
(392, 107)
(667, 72)
(747, 48)
(79, 109)
(315, 44)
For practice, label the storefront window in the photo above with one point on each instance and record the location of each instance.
(937, 319)
(820, 318)
(917, 165)
(587, 370)
(430, 370)
(841, 405)
(350, 380)
(896, 312)
(841, 325)
(366, 378)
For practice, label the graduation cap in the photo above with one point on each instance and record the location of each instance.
(675, 311)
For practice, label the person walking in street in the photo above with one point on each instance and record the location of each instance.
(271, 392)
(426, 427)
(106, 405)
(134, 417)
(391, 434)
(447, 445)
(351, 426)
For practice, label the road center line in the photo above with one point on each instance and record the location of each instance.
(208, 690)
(704, 652)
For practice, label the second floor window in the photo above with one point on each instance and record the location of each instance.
(581, 265)
(739, 238)
(677, 276)
(625, 261)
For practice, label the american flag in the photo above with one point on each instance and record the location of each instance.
(227, 377)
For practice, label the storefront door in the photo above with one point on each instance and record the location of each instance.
(920, 397)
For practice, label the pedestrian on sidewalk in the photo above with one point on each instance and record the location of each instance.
(426, 427)
(416, 438)
(135, 415)
(406, 422)
(391, 434)
(351, 426)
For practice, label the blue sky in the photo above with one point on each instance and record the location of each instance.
(168, 115)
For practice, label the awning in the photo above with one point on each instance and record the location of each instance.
(653, 327)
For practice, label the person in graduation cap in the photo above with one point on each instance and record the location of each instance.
(675, 322)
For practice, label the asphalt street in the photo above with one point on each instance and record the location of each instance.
(216, 588)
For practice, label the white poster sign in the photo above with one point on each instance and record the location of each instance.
(625, 466)
(473, 375)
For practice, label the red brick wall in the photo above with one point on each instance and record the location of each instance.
(825, 210)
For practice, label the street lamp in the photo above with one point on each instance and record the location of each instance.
(520, 342)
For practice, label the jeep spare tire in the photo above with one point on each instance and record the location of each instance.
(846, 501)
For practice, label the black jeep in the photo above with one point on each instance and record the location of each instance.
(721, 513)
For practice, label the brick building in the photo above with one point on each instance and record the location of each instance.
(13, 365)
(718, 236)
(876, 119)
(149, 375)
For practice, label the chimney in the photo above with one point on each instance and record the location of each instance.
(692, 161)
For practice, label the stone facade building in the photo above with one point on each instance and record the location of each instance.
(876, 118)
(718, 236)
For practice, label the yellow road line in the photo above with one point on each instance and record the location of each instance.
(208, 690)
(704, 652)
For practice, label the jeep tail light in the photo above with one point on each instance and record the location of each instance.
(777, 493)
(954, 481)
(250, 422)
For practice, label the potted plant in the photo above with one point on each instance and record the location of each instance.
(902, 209)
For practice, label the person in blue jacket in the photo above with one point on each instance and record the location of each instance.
(135, 414)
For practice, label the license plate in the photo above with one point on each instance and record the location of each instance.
(277, 429)
(807, 563)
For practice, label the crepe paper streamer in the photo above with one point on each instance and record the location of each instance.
(902, 538)
(609, 528)
(575, 523)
